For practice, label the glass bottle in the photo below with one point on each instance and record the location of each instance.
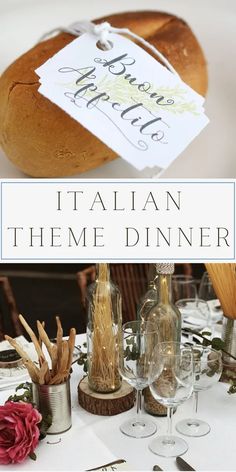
(103, 332)
(150, 297)
(165, 314)
(167, 317)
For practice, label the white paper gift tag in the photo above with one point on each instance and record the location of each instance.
(126, 98)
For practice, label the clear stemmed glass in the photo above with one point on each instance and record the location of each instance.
(171, 384)
(183, 286)
(195, 313)
(207, 293)
(138, 340)
(206, 290)
(208, 369)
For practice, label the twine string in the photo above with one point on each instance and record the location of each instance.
(102, 32)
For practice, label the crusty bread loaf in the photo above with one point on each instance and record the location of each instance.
(44, 141)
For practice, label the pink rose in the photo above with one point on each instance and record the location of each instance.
(19, 431)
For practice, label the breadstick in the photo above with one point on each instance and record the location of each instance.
(58, 378)
(42, 373)
(71, 345)
(40, 340)
(43, 335)
(17, 347)
(33, 339)
(59, 341)
(61, 354)
(54, 359)
(64, 357)
(47, 376)
(31, 367)
(33, 370)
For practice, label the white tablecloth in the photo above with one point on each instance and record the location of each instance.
(95, 440)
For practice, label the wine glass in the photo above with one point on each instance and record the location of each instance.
(183, 286)
(171, 384)
(195, 313)
(207, 293)
(208, 369)
(138, 340)
(206, 290)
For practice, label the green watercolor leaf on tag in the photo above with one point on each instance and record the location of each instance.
(121, 91)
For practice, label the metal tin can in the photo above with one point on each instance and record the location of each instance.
(54, 400)
(229, 338)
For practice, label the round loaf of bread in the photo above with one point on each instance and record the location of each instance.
(44, 141)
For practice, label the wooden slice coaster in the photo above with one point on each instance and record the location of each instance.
(105, 404)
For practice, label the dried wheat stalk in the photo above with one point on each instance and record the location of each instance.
(103, 368)
(223, 277)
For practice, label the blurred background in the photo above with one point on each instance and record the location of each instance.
(42, 291)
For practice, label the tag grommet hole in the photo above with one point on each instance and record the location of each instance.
(103, 47)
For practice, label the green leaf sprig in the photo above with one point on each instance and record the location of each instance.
(83, 358)
(217, 344)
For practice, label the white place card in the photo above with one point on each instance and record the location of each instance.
(126, 98)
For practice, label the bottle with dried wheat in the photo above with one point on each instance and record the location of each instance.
(167, 317)
(150, 297)
(103, 332)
